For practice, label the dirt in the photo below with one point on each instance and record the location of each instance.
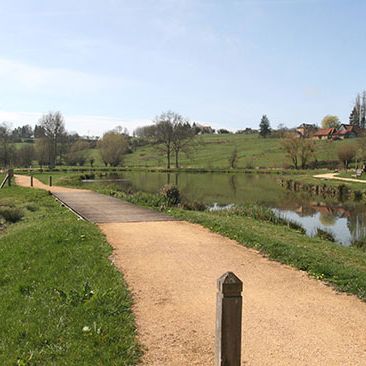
(334, 176)
(288, 318)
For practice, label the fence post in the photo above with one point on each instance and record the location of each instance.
(50, 181)
(228, 320)
(31, 180)
(10, 176)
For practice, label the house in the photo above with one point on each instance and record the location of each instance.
(346, 132)
(324, 134)
(306, 130)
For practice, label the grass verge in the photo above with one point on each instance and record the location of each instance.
(62, 301)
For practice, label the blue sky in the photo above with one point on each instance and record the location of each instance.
(225, 63)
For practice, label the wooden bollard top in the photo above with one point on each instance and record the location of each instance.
(230, 285)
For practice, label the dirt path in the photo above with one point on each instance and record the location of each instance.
(334, 176)
(289, 318)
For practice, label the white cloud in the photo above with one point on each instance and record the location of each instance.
(82, 124)
(17, 75)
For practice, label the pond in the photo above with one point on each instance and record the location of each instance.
(346, 220)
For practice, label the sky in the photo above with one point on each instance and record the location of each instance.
(224, 63)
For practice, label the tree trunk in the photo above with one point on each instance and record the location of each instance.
(168, 158)
(176, 159)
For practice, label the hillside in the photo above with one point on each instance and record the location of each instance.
(214, 151)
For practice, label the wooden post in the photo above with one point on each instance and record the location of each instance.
(50, 181)
(228, 320)
(31, 180)
(10, 176)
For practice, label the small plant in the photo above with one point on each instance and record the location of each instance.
(11, 214)
(193, 206)
(324, 234)
(171, 194)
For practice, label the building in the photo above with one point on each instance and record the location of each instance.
(306, 130)
(324, 134)
(346, 132)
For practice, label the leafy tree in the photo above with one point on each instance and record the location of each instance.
(7, 149)
(330, 121)
(77, 153)
(264, 127)
(113, 146)
(42, 152)
(25, 155)
(345, 154)
(54, 129)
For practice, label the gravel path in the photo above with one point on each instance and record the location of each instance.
(289, 318)
(334, 176)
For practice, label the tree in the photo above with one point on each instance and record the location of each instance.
(42, 153)
(298, 150)
(172, 133)
(77, 153)
(358, 114)
(7, 149)
(113, 146)
(330, 121)
(264, 126)
(345, 154)
(25, 155)
(54, 128)
(182, 138)
(234, 157)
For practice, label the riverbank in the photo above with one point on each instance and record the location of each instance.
(62, 302)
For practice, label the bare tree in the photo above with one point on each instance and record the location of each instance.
(173, 134)
(113, 146)
(299, 150)
(42, 147)
(54, 129)
(78, 153)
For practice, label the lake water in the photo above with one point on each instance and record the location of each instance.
(346, 220)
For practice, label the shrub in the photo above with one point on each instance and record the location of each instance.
(324, 234)
(11, 214)
(171, 194)
(193, 206)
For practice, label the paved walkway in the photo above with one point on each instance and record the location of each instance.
(95, 207)
(334, 176)
(288, 318)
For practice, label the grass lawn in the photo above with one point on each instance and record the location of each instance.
(214, 151)
(62, 301)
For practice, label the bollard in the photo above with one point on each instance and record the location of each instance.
(50, 181)
(228, 320)
(31, 180)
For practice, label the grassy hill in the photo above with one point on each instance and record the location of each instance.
(214, 151)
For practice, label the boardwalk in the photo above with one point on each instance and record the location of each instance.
(99, 208)
(171, 268)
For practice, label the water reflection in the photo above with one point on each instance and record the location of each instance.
(345, 220)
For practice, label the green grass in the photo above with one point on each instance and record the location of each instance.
(62, 301)
(214, 151)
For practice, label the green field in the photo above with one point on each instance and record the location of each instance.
(214, 151)
(62, 301)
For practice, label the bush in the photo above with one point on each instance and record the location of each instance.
(11, 214)
(171, 194)
(324, 234)
(193, 206)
